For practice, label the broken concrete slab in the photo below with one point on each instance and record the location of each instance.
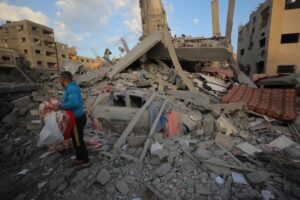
(292, 153)
(282, 142)
(228, 125)
(208, 125)
(103, 177)
(54, 183)
(81, 175)
(224, 140)
(134, 140)
(258, 176)
(218, 169)
(122, 187)
(163, 169)
(248, 148)
(138, 51)
(202, 153)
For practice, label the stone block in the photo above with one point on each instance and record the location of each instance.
(103, 177)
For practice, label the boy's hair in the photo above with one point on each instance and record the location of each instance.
(66, 76)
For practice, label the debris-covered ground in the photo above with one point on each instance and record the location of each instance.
(150, 138)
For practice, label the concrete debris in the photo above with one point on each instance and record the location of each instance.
(208, 125)
(225, 123)
(224, 140)
(80, 176)
(248, 148)
(163, 169)
(292, 153)
(258, 176)
(54, 183)
(103, 177)
(122, 187)
(238, 178)
(282, 142)
(163, 128)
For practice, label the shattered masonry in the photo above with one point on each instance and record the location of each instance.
(163, 124)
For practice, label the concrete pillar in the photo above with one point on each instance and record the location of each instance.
(230, 14)
(215, 18)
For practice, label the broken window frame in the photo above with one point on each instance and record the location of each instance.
(265, 15)
(286, 69)
(292, 5)
(289, 38)
(262, 42)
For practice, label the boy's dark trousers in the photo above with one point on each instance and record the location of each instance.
(77, 139)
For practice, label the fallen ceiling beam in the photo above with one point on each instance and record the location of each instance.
(168, 43)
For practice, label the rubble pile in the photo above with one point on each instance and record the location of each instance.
(154, 140)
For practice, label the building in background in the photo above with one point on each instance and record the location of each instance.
(8, 57)
(36, 43)
(269, 43)
(62, 53)
(86, 61)
(89, 62)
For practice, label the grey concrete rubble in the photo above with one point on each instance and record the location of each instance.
(163, 130)
(211, 143)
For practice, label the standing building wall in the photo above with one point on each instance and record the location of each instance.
(261, 46)
(62, 52)
(34, 41)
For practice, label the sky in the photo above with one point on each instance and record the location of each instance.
(93, 25)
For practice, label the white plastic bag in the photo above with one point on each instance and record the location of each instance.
(50, 134)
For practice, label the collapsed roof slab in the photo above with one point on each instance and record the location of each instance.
(201, 54)
(138, 51)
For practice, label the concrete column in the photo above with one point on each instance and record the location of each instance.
(230, 14)
(215, 18)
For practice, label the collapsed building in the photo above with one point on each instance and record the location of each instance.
(158, 129)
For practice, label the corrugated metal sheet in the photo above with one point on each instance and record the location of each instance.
(276, 103)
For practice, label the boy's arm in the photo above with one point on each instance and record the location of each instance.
(73, 100)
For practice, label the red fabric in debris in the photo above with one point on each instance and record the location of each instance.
(173, 125)
(65, 119)
(276, 103)
(222, 72)
(70, 125)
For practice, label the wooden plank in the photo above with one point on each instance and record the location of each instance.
(153, 127)
(168, 42)
(139, 50)
(132, 123)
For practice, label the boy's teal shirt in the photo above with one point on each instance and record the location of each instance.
(72, 100)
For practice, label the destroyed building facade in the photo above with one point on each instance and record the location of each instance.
(269, 43)
(62, 53)
(36, 43)
(8, 57)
